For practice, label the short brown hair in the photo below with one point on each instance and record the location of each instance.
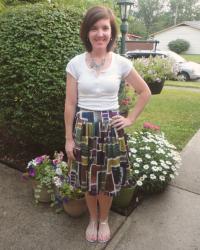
(93, 15)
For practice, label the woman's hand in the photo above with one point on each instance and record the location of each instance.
(119, 122)
(69, 148)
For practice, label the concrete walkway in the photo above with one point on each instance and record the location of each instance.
(183, 88)
(171, 220)
(168, 221)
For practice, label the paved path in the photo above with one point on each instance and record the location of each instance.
(168, 221)
(183, 88)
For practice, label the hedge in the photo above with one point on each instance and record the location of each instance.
(36, 42)
(179, 45)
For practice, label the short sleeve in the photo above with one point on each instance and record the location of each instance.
(72, 68)
(126, 66)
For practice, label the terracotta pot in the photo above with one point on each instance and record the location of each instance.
(44, 196)
(156, 87)
(75, 208)
(124, 197)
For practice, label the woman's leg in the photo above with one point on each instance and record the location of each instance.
(105, 203)
(91, 231)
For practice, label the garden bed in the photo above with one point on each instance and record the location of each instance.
(15, 153)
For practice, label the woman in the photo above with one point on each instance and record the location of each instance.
(97, 146)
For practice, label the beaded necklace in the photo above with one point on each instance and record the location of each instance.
(97, 66)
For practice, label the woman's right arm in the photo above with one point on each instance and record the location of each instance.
(70, 108)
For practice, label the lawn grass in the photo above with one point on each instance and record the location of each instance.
(183, 84)
(194, 58)
(177, 112)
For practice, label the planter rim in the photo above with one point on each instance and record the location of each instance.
(63, 199)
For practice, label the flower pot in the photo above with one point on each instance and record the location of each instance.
(124, 197)
(124, 113)
(156, 87)
(42, 194)
(75, 208)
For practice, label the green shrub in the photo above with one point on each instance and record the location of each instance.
(36, 42)
(178, 45)
(17, 2)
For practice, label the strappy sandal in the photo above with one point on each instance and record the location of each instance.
(91, 231)
(100, 232)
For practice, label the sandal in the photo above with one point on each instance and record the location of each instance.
(91, 231)
(104, 232)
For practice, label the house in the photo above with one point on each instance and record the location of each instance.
(134, 42)
(189, 31)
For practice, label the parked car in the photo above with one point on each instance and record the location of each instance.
(185, 70)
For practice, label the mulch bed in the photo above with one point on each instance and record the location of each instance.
(16, 154)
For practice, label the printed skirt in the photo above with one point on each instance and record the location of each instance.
(101, 154)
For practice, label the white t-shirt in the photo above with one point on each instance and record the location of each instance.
(99, 92)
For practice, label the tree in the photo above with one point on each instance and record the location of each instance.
(184, 10)
(136, 26)
(148, 11)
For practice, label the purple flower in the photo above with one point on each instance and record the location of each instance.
(31, 172)
(55, 162)
(65, 199)
(39, 160)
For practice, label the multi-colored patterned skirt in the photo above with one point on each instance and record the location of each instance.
(101, 153)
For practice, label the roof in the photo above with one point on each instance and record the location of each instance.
(132, 36)
(193, 24)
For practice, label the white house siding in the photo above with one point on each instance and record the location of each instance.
(187, 33)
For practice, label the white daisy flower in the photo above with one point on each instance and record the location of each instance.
(164, 172)
(154, 163)
(139, 183)
(173, 168)
(146, 166)
(139, 160)
(148, 156)
(58, 171)
(132, 141)
(152, 176)
(30, 163)
(155, 169)
(162, 178)
(166, 167)
(34, 163)
(157, 151)
(133, 150)
(136, 171)
(137, 165)
(57, 181)
(172, 176)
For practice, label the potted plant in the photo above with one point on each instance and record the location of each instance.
(153, 159)
(41, 172)
(72, 198)
(126, 99)
(125, 196)
(154, 70)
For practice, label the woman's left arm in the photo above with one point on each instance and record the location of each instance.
(141, 88)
